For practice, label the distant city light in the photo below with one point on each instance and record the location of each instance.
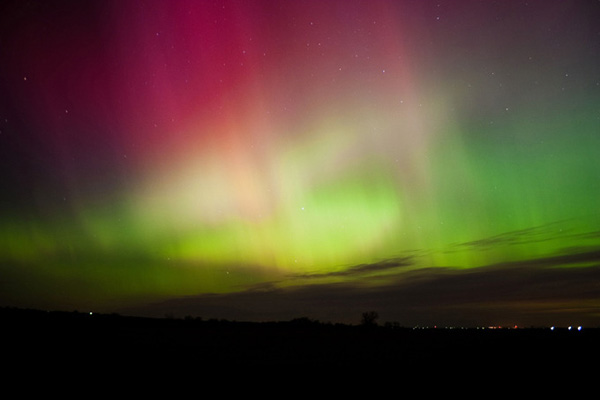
(579, 328)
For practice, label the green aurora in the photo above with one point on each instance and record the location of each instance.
(400, 145)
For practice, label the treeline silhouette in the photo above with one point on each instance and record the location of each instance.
(81, 336)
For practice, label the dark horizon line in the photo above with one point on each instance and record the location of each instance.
(21, 313)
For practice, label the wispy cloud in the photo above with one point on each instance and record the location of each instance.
(540, 291)
(519, 237)
(363, 269)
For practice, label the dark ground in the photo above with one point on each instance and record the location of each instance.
(32, 337)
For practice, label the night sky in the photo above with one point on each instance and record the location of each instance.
(434, 161)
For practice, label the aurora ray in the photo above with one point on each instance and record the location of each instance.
(152, 150)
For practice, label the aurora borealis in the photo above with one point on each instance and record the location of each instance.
(434, 160)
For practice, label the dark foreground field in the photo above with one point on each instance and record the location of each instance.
(32, 337)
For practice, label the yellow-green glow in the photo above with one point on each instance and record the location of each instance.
(204, 148)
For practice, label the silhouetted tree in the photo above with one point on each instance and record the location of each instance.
(369, 318)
